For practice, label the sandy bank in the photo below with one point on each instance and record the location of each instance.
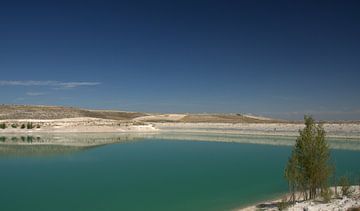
(88, 124)
(340, 203)
(75, 125)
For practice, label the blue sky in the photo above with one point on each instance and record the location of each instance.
(281, 59)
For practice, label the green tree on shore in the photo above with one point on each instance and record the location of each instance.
(308, 169)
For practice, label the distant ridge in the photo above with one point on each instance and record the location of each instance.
(60, 112)
(45, 112)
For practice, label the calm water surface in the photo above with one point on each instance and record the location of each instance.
(149, 174)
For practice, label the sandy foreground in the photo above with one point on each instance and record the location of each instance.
(338, 204)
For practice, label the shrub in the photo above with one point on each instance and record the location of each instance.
(2, 125)
(327, 194)
(346, 189)
(29, 125)
(14, 125)
(283, 204)
(2, 138)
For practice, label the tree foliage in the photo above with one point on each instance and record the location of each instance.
(308, 169)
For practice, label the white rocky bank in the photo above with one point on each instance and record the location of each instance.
(336, 204)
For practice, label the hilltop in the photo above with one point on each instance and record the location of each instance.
(14, 112)
(60, 112)
(53, 119)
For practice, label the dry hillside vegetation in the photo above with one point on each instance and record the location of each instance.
(224, 118)
(58, 112)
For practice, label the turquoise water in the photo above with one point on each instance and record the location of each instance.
(150, 174)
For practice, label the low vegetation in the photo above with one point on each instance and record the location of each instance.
(59, 112)
(345, 186)
(327, 195)
(29, 125)
(3, 126)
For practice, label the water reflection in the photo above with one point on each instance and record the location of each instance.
(55, 144)
(334, 143)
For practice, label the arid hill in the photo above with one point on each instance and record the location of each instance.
(226, 118)
(59, 112)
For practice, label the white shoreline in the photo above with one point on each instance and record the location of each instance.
(89, 125)
(341, 203)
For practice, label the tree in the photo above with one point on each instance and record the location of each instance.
(308, 169)
(293, 176)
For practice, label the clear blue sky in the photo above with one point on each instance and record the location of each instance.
(275, 58)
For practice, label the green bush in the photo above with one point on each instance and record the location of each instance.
(346, 189)
(29, 125)
(14, 125)
(283, 204)
(2, 125)
(23, 126)
(327, 194)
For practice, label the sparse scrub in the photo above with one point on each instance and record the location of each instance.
(139, 123)
(2, 139)
(283, 204)
(359, 183)
(3, 126)
(346, 189)
(29, 125)
(326, 195)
